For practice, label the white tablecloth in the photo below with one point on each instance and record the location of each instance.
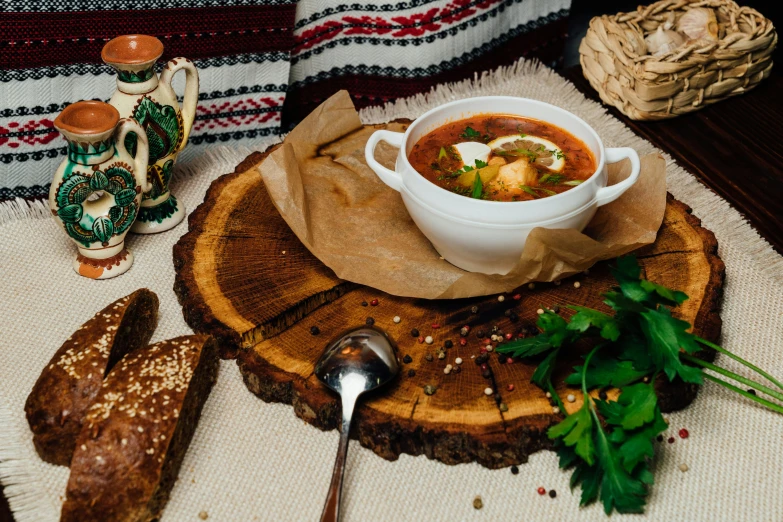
(255, 461)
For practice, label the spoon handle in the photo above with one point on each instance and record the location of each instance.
(331, 512)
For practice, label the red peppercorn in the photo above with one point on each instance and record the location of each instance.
(684, 433)
(487, 341)
(508, 336)
(435, 326)
(670, 440)
(484, 367)
(517, 297)
(374, 302)
(520, 335)
(421, 339)
(509, 360)
(510, 387)
(463, 342)
(466, 327)
(483, 350)
(541, 491)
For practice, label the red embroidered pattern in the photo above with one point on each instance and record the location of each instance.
(219, 115)
(27, 139)
(230, 114)
(416, 24)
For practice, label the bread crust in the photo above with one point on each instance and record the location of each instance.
(70, 381)
(137, 431)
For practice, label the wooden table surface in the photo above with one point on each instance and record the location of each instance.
(734, 147)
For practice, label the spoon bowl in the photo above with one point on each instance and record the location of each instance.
(359, 360)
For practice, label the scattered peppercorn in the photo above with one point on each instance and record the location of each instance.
(514, 317)
(430, 389)
(555, 410)
(531, 286)
(314, 330)
(570, 397)
(514, 470)
(458, 360)
(577, 284)
(448, 343)
(203, 515)
(556, 309)
(396, 319)
(411, 373)
(683, 467)
(659, 438)
(463, 342)
(503, 407)
(435, 326)
(480, 334)
(501, 298)
(541, 491)
(364, 303)
(428, 339)
(488, 391)
(457, 369)
(441, 354)
(478, 503)
(510, 387)
(752, 391)
(517, 297)
(684, 434)
(428, 356)
(552, 493)
(670, 440)
(484, 367)
(508, 336)
(474, 309)
(374, 302)
(486, 374)
(414, 333)
(420, 339)
(602, 395)
(370, 321)
(481, 359)
(501, 359)
(507, 313)
(407, 359)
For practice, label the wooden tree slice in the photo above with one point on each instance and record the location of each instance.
(242, 275)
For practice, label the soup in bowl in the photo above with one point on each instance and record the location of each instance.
(477, 175)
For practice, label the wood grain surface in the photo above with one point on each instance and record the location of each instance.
(241, 274)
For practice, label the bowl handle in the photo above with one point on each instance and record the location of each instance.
(388, 176)
(609, 194)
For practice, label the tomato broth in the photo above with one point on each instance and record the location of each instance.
(528, 159)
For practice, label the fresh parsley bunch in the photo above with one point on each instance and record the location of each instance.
(609, 443)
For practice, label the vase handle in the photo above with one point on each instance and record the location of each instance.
(125, 126)
(191, 91)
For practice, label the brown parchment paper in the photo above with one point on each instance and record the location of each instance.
(357, 226)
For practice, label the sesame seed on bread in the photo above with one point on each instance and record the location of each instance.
(72, 378)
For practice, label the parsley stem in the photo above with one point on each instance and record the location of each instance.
(717, 369)
(771, 405)
(556, 397)
(740, 360)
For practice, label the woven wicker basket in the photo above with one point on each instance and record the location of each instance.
(644, 87)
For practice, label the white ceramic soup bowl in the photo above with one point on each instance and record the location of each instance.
(489, 236)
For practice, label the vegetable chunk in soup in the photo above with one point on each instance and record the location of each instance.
(502, 158)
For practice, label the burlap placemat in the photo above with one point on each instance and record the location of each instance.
(255, 461)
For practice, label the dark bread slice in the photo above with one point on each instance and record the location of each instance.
(69, 383)
(137, 431)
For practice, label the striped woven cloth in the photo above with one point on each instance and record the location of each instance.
(262, 67)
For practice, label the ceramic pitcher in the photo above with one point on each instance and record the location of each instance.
(152, 102)
(97, 190)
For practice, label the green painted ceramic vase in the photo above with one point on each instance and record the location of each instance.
(152, 102)
(96, 192)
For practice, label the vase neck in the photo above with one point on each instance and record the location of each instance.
(144, 87)
(92, 152)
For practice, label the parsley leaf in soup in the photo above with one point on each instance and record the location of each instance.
(470, 133)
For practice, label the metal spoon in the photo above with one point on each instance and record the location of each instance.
(360, 360)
